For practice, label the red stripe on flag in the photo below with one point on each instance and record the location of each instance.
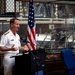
(31, 43)
(34, 33)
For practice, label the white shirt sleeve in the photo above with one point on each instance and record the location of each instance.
(3, 41)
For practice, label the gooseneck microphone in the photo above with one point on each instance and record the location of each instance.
(24, 40)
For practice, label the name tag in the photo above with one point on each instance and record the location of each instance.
(12, 39)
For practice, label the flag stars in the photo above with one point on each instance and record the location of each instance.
(31, 5)
(31, 21)
(32, 13)
(29, 16)
(32, 9)
(32, 17)
(31, 25)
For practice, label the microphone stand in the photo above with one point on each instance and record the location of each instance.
(44, 38)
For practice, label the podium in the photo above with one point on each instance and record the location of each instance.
(30, 63)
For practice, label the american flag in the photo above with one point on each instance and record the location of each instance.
(31, 31)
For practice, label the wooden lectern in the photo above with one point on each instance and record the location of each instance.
(30, 63)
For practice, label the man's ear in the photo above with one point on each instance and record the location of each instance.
(11, 25)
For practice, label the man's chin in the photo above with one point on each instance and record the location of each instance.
(17, 29)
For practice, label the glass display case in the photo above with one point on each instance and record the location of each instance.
(59, 30)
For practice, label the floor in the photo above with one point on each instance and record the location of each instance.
(61, 72)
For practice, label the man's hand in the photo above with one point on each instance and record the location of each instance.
(13, 48)
(25, 47)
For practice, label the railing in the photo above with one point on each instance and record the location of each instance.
(43, 20)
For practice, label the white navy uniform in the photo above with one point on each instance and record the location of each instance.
(8, 39)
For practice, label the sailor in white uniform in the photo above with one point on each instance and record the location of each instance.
(10, 44)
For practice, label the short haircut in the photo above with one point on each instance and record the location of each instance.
(13, 20)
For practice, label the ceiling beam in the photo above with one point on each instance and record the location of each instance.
(51, 1)
(64, 2)
(39, 1)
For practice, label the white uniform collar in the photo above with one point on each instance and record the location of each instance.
(11, 33)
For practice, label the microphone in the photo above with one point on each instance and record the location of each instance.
(24, 40)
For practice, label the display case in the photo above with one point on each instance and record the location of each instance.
(55, 26)
(59, 30)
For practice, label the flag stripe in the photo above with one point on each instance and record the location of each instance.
(31, 43)
(31, 34)
(32, 30)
